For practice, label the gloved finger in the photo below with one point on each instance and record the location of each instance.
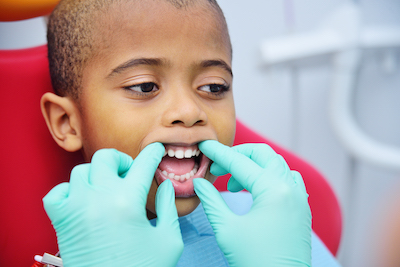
(54, 199)
(167, 222)
(214, 205)
(107, 164)
(245, 170)
(260, 153)
(278, 169)
(299, 180)
(167, 214)
(141, 174)
(217, 170)
(234, 186)
(79, 178)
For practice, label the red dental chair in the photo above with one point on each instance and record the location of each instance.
(31, 164)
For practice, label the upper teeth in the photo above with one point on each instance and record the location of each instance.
(182, 153)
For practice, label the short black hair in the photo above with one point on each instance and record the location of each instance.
(70, 39)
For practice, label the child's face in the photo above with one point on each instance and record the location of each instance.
(160, 75)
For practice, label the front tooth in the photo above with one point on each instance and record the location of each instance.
(187, 175)
(165, 173)
(194, 152)
(171, 153)
(182, 178)
(171, 175)
(188, 153)
(179, 154)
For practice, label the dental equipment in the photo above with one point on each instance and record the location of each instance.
(49, 260)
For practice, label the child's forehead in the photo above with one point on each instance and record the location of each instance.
(154, 21)
(129, 11)
(150, 13)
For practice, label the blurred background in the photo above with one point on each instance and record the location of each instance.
(291, 60)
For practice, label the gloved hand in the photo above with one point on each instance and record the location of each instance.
(277, 229)
(100, 215)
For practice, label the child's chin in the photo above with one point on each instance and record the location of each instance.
(187, 205)
(184, 206)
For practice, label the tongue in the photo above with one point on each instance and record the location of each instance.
(176, 166)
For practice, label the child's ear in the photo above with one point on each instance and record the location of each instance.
(63, 120)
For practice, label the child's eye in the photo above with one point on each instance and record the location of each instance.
(214, 88)
(143, 87)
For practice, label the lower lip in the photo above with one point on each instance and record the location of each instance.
(184, 189)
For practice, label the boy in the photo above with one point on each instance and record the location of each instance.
(152, 79)
(116, 88)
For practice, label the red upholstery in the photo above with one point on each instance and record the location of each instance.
(327, 217)
(32, 164)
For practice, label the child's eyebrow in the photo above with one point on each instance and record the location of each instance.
(135, 62)
(159, 61)
(216, 63)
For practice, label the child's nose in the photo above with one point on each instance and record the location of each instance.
(184, 109)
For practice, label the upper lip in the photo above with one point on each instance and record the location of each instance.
(182, 144)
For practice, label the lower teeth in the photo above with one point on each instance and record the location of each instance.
(182, 177)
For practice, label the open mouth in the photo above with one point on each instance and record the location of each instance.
(181, 164)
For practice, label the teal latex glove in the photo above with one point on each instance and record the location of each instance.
(277, 229)
(100, 215)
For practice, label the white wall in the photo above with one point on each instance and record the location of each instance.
(288, 104)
